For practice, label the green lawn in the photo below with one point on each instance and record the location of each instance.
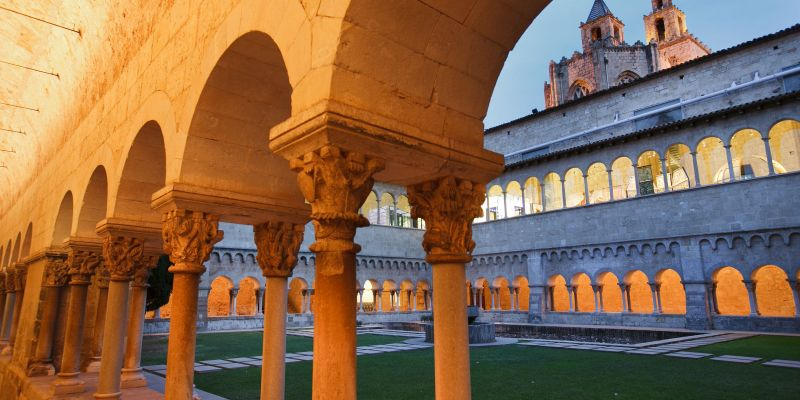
(521, 372)
(212, 346)
(766, 347)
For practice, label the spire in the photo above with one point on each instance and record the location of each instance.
(599, 9)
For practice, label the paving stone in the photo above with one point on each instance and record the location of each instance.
(291, 360)
(688, 354)
(154, 367)
(255, 363)
(215, 362)
(783, 363)
(232, 365)
(305, 353)
(205, 369)
(241, 359)
(736, 359)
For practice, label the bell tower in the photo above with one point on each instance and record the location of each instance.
(666, 27)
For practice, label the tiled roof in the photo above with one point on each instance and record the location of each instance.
(599, 9)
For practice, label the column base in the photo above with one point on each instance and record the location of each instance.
(116, 395)
(132, 378)
(68, 385)
(94, 365)
(42, 368)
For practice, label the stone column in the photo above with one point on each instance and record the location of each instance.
(20, 277)
(636, 179)
(512, 298)
(665, 175)
(360, 300)
(303, 307)
(8, 306)
(730, 163)
(278, 244)
(260, 302)
(379, 301)
(751, 292)
(123, 256)
(233, 294)
(449, 206)
(102, 278)
(658, 297)
(4, 294)
(610, 185)
(654, 292)
(537, 303)
(492, 294)
(596, 290)
(188, 239)
(586, 189)
(770, 161)
(711, 297)
(81, 265)
(572, 299)
(795, 288)
(600, 299)
(563, 194)
(335, 182)
(56, 277)
(131, 375)
(624, 289)
(696, 170)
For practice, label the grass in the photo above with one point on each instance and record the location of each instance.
(521, 372)
(766, 347)
(211, 346)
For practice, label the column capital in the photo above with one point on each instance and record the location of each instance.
(277, 244)
(336, 183)
(122, 255)
(3, 282)
(448, 205)
(188, 238)
(102, 276)
(20, 275)
(81, 264)
(141, 275)
(56, 269)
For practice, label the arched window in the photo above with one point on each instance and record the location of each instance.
(623, 179)
(640, 295)
(784, 143)
(578, 92)
(730, 293)
(557, 292)
(533, 196)
(649, 173)
(712, 161)
(404, 213)
(610, 292)
(219, 297)
(749, 155)
(597, 34)
(773, 294)
(553, 197)
(627, 77)
(497, 208)
(661, 30)
(514, 200)
(680, 167)
(387, 211)
(582, 293)
(370, 208)
(575, 188)
(671, 295)
(298, 290)
(523, 293)
(597, 177)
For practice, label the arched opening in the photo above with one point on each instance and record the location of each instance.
(26, 242)
(597, 34)
(7, 257)
(63, 225)
(784, 144)
(749, 155)
(514, 201)
(533, 196)
(247, 296)
(575, 188)
(522, 292)
(623, 179)
(406, 296)
(298, 292)
(370, 208)
(553, 195)
(712, 161)
(219, 297)
(387, 214)
(730, 293)
(627, 77)
(640, 295)
(671, 294)
(421, 296)
(497, 209)
(502, 296)
(388, 296)
(15, 252)
(583, 299)
(144, 173)
(773, 293)
(403, 212)
(559, 296)
(680, 167)
(610, 293)
(578, 91)
(661, 30)
(368, 295)
(648, 169)
(597, 178)
(95, 200)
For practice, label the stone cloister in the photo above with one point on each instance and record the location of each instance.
(169, 117)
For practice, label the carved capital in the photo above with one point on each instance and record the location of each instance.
(142, 274)
(278, 244)
(81, 265)
(448, 206)
(122, 254)
(56, 270)
(336, 183)
(189, 238)
(102, 276)
(3, 282)
(10, 278)
(19, 277)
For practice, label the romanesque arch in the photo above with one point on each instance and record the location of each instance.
(558, 294)
(583, 299)
(143, 173)
(730, 292)
(773, 293)
(610, 293)
(640, 295)
(248, 294)
(502, 295)
(522, 292)
(671, 294)
(784, 144)
(95, 201)
(298, 290)
(219, 297)
(63, 223)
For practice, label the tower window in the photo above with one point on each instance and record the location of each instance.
(661, 31)
(660, 4)
(616, 33)
(596, 34)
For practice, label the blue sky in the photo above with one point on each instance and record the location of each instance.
(718, 23)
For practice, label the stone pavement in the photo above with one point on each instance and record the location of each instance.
(671, 347)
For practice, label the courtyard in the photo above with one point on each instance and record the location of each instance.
(395, 365)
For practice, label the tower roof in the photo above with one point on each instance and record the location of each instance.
(599, 9)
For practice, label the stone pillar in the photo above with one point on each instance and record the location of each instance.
(102, 278)
(596, 291)
(730, 163)
(233, 294)
(81, 265)
(56, 277)
(131, 375)
(572, 299)
(260, 302)
(4, 294)
(360, 300)
(711, 296)
(665, 175)
(795, 288)
(20, 277)
(658, 297)
(379, 301)
(188, 238)
(624, 289)
(492, 295)
(699, 304)
(123, 256)
(537, 303)
(8, 306)
(654, 292)
(600, 299)
(449, 206)
(751, 292)
(513, 298)
(335, 182)
(610, 185)
(586, 189)
(563, 194)
(770, 161)
(696, 170)
(278, 244)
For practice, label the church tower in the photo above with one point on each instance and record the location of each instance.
(666, 26)
(601, 25)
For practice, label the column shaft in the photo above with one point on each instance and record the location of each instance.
(99, 325)
(451, 336)
(68, 381)
(274, 346)
(43, 361)
(108, 386)
(131, 366)
(182, 335)
(768, 150)
(8, 313)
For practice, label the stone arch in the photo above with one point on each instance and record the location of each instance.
(730, 292)
(583, 298)
(15, 252)
(143, 174)
(370, 208)
(552, 192)
(502, 300)
(559, 296)
(574, 188)
(610, 292)
(387, 209)
(671, 294)
(597, 179)
(640, 295)
(522, 292)
(748, 154)
(774, 296)
(680, 167)
(298, 290)
(712, 161)
(496, 205)
(421, 295)
(650, 173)
(514, 202)
(247, 296)
(627, 77)
(63, 223)
(369, 296)
(25, 251)
(219, 297)
(784, 143)
(623, 178)
(94, 205)
(388, 286)
(406, 295)
(7, 256)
